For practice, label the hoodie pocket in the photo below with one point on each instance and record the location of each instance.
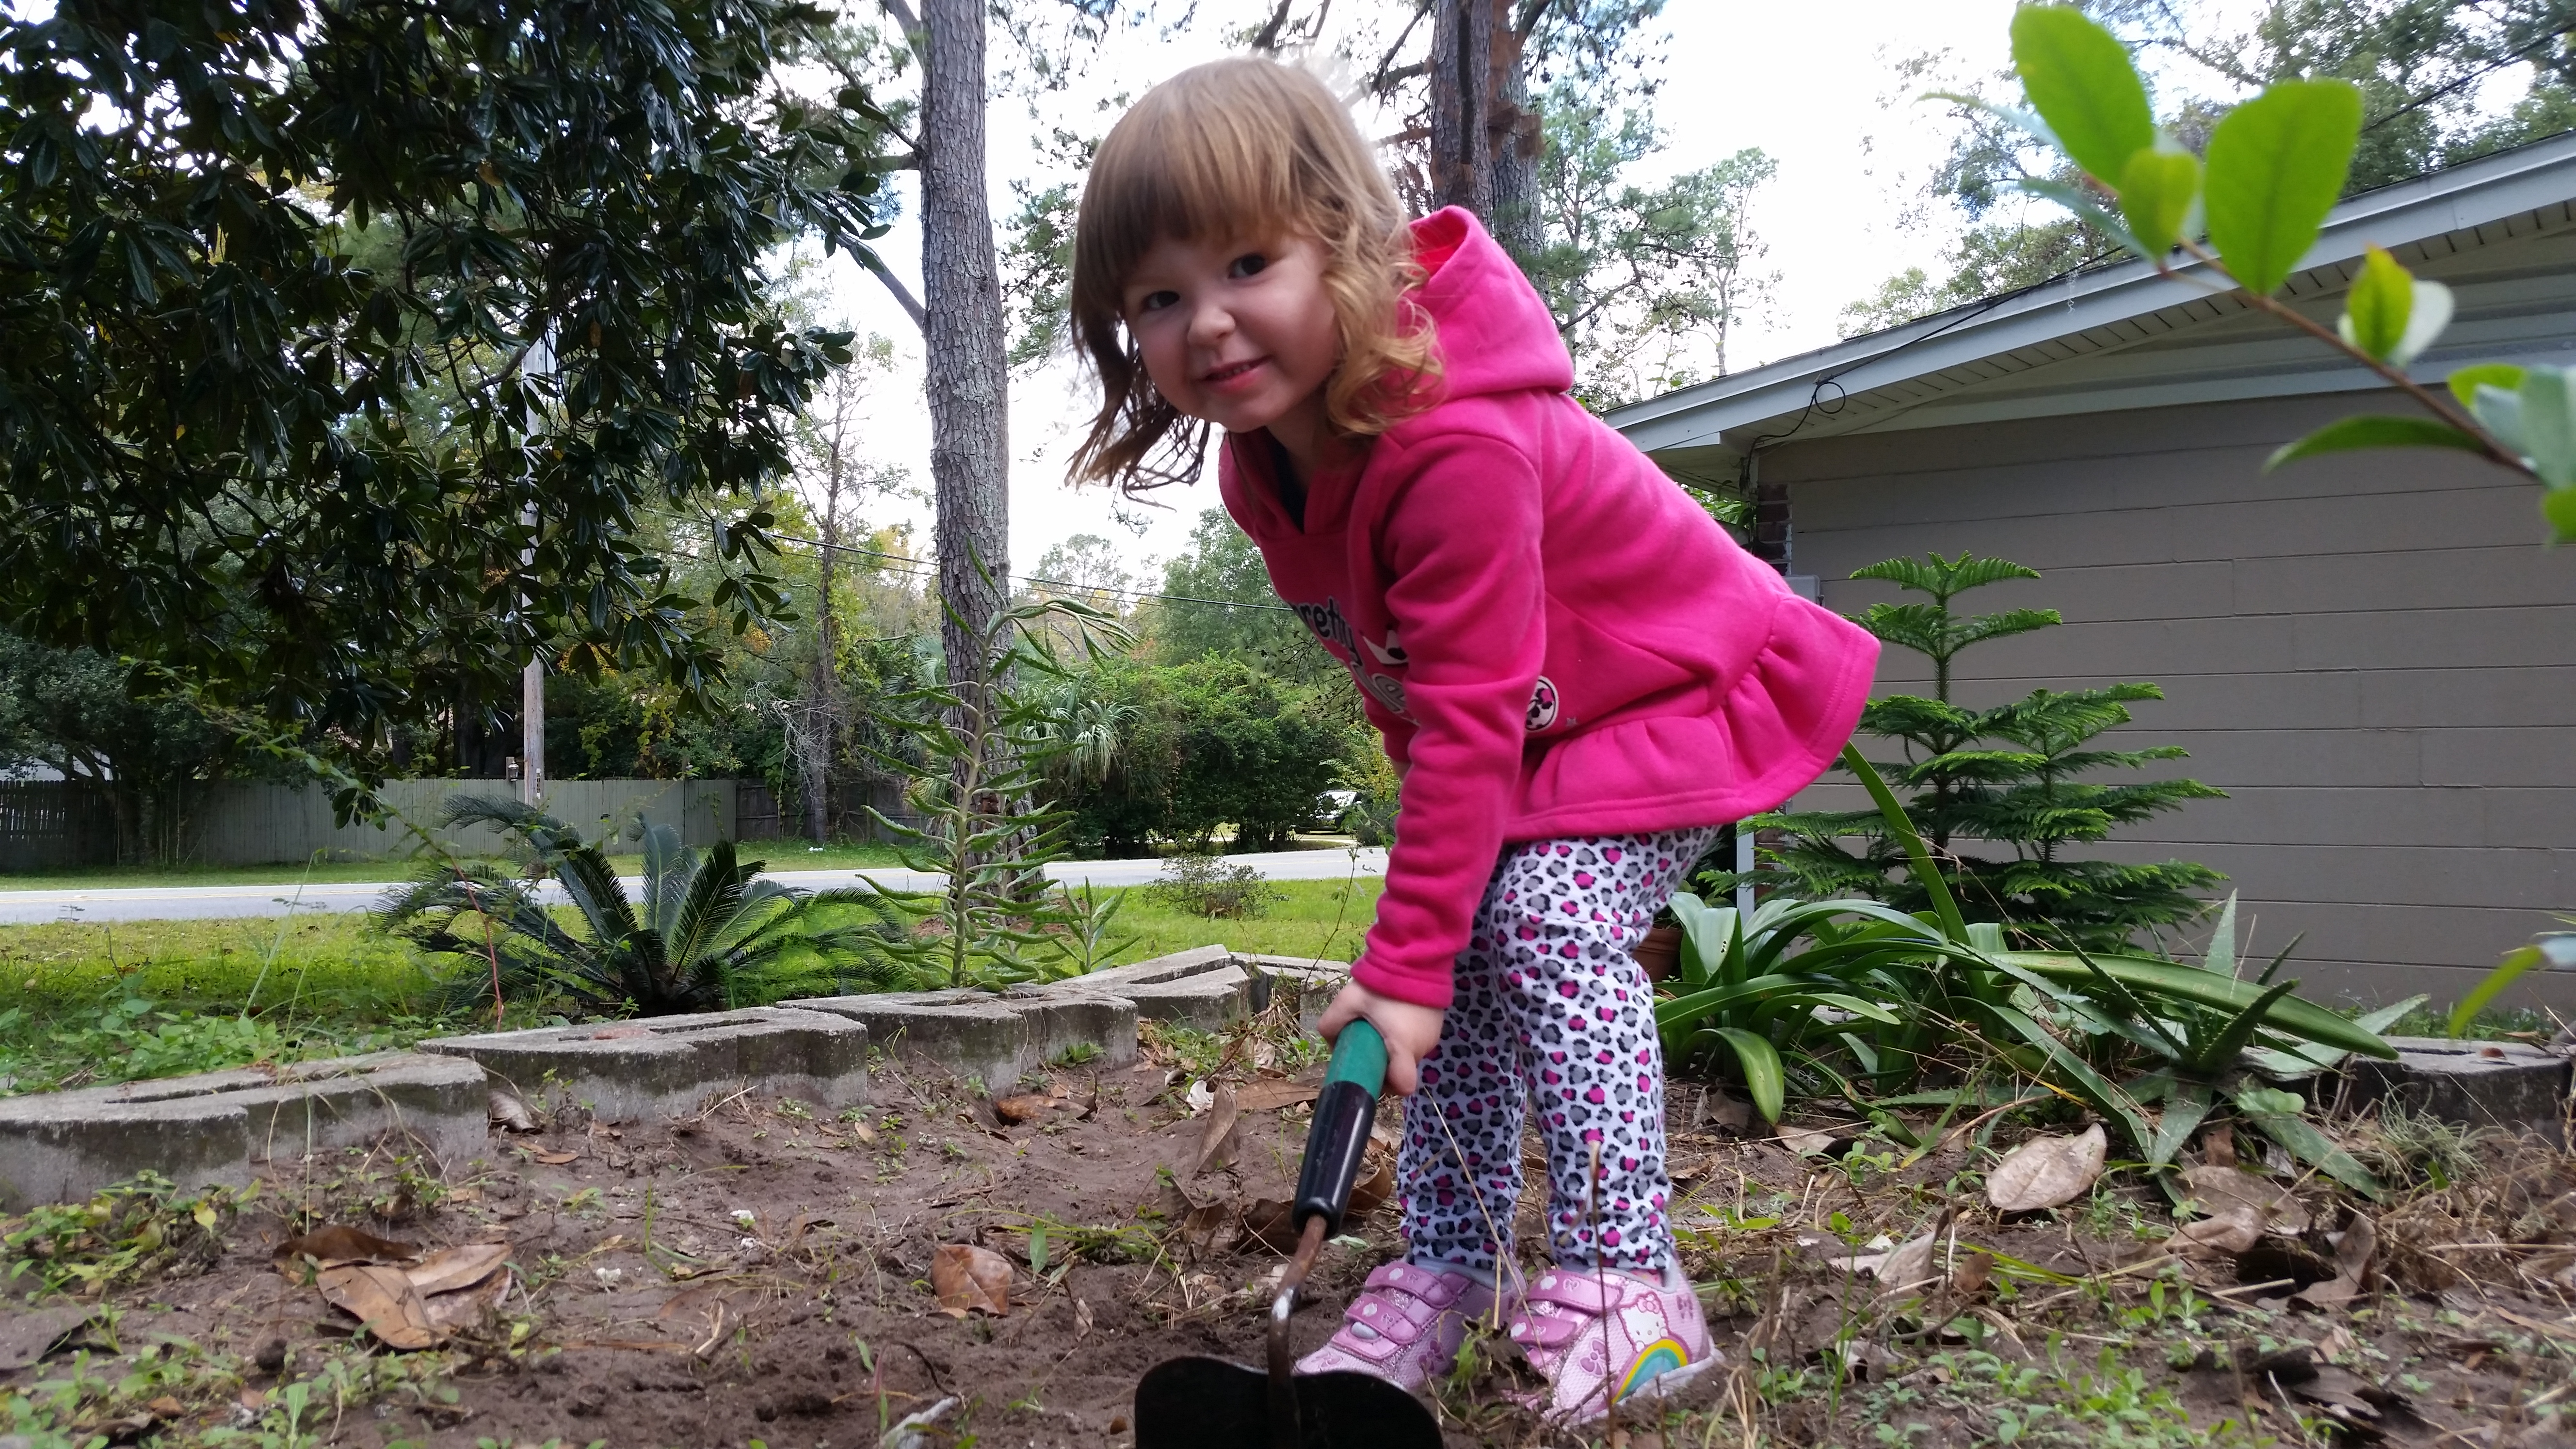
(1592, 674)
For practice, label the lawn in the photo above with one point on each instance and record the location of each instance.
(107, 1001)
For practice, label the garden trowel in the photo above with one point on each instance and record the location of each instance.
(1195, 1403)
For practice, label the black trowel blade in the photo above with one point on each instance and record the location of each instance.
(1207, 1403)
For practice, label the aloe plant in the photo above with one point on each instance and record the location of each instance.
(2550, 951)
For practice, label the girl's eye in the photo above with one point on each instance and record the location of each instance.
(1157, 301)
(1249, 264)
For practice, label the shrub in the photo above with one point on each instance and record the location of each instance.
(1204, 885)
(2014, 775)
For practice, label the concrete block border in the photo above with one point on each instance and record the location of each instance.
(224, 1127)
(669, 1066)
(2475, 1083)
(999, 1038)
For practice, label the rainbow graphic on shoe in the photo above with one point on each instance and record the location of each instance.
(1661, 1357)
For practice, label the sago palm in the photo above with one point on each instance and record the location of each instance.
(710, 935)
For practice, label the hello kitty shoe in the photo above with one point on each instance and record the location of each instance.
(1602, 1336)
(1405, 1326)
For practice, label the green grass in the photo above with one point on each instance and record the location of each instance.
(1315, 918)
(780, 854)
(105, 1001)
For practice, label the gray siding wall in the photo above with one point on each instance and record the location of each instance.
(253, 822)
(2373, 655)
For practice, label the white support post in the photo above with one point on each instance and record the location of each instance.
(540, 362)
(1744, 866)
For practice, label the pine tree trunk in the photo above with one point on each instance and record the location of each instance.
(963, 331)
(1512, 127)
(1484, 136)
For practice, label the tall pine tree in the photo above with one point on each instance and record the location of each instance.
(2009, 779)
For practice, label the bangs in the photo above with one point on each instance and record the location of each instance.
(1204, 156)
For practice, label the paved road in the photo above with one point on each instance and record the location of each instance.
(157, 903)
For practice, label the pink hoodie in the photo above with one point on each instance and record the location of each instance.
(1552, 635)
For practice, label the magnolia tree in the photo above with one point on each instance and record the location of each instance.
(2248, 212)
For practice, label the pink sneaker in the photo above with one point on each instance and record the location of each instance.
(1604, 1336)
(1406, 1325)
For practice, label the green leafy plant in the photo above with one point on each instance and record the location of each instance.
(1753, 984)
(124, 1234)
(2071, 1019)
(2273, 169)
(978, 772)
(2015, 775)
(2198, 1059)
(711, 933)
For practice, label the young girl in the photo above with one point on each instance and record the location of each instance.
(1578, 675)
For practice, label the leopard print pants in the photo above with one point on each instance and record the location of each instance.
(1551, 1012)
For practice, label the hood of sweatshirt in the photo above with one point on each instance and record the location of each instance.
(1495, 334)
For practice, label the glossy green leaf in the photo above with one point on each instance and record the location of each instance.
(2375, 312)
(1917, 856)
(2088, 209)
(2080, 80)
(2292, 1016)
(2276, 165)
(2373, 430)
(2555, 953)
(2558, 507)
(2187, 1105)
(2281, 1116)
(2465, 382)
(2157, 191)
(1764, 1078)
(2548, 417)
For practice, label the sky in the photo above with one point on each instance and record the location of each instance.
(1737, 73)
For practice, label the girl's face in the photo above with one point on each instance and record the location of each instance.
(1239, 334)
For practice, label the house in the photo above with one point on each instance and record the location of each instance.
(2373, 653)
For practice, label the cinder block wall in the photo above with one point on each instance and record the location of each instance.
(2373, 655)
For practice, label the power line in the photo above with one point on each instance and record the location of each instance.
(917, 564)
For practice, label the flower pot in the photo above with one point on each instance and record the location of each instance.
(1660, 951)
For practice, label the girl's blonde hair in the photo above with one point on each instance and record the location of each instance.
(1243, 149)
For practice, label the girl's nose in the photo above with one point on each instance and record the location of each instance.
(1210, 323)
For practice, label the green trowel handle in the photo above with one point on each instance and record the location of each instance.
(1345, 1110)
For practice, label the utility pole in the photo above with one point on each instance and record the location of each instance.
(532, 680)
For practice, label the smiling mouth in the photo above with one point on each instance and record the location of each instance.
(1231, 371)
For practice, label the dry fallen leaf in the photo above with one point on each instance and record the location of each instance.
(2217, 1189)
(1081, 1317)
(468, 1307)
(1270, 1096)
(510, 1112)
(863, 1132)
(1373, 1190)
(2232, 1232)
(1806, 1142)
(2047, 1171)
(1207, 1227)
(1266, 1221)
(1026, 1107)
(340, 1243)
(1217, 1141)
(555, 1159)
(1908, 1267)
(1200, 1097)
(451, 1269)
(1974, 1272)
(968, 1279)
(384, 1302)
(2354, 1248)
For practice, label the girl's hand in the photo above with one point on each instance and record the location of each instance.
(1411, 1031)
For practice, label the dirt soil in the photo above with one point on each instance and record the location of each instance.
(761, 1274)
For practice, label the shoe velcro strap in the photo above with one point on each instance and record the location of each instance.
(1531, 1330)
(1394, 1317)
(1579, 1291)
(1437, 1289)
